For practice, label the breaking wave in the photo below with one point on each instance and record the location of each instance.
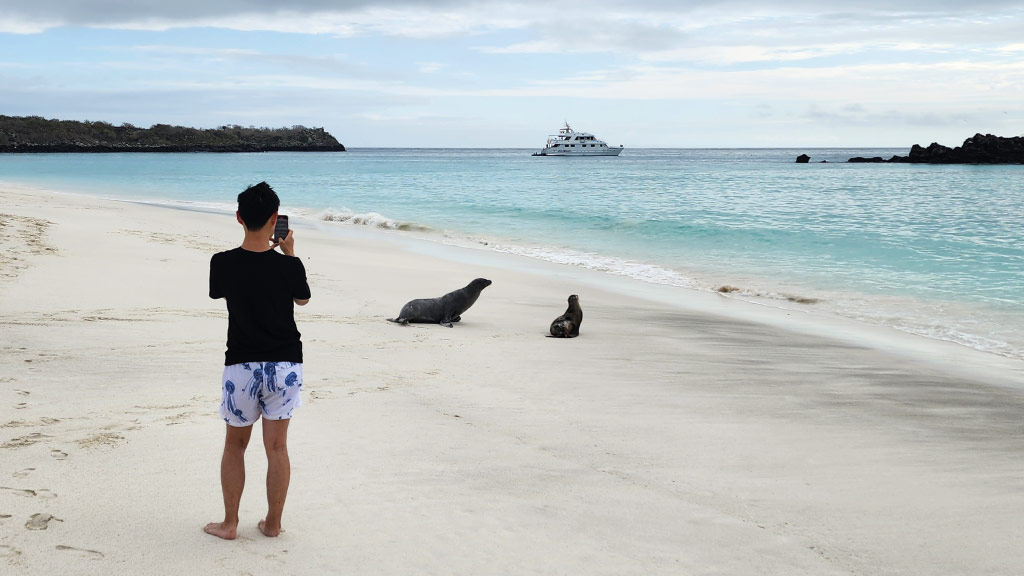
(372, 219)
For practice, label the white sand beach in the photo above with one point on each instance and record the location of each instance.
(681, 433)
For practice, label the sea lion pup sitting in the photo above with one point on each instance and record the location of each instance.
(444, 310)
(568, 325)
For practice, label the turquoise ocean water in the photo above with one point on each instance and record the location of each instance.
(931, 250)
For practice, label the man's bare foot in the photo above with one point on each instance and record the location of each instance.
(267, 531)
(221, 530)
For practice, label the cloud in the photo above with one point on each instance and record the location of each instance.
(346, 18)
(390, 60)
(429, 67)
(335, 64)
(710, 33)
(724, 34)
(103, 13)
(644, 24)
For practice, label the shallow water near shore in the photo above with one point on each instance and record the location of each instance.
(932, 250)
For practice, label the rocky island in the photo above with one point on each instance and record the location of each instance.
(978, 149)
(36, 134)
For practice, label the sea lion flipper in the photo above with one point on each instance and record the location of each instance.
(447, 324)
(457, 318)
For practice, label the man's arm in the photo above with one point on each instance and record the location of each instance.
(288, 247)
(214, 284)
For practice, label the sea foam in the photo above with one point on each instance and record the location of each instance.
(371, 219)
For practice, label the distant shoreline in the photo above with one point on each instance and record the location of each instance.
(978, 149)
(34, 134)
(72, 149)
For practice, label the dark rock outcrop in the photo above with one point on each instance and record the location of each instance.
(803, 159)
(978, 149)
(36, 134)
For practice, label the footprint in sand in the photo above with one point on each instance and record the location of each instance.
(92, 554)
(42, 494)
(40, 521)
(101, 439)
(316, 395)
(25, 493)
(9, 552)
(58, 454)
(178, 418)
(23, 473)
(25, 441)
(22, 392)
(21, 406)
(278, 561)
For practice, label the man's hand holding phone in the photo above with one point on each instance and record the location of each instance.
(283, 236)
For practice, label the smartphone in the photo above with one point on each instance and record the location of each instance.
(281, 229)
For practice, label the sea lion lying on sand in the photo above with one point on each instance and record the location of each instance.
(568, 325)
(444, 310)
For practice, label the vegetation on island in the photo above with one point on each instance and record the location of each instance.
(37, 134)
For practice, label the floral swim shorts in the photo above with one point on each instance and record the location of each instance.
(251, 389)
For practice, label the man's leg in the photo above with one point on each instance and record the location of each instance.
(279, 470)
(232, 481)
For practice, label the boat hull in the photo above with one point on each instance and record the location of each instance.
(594, 152)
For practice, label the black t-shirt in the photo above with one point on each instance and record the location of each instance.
(259, 288)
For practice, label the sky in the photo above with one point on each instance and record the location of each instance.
(493, 74)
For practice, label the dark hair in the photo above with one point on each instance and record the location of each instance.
(257, 204)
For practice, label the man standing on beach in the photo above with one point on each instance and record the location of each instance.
(263, 363)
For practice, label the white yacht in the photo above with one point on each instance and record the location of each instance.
(569, 142)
